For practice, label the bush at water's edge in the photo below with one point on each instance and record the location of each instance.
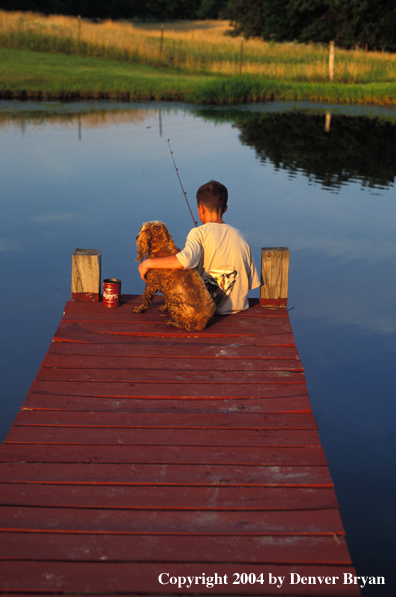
(239, 90)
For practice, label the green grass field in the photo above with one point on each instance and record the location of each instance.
(56, 75)
(24, 73)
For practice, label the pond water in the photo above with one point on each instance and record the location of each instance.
(87, 175)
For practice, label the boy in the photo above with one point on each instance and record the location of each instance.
(218, 250)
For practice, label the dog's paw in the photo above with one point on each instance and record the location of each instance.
(162, 308)
(173, 324)
(140, 309)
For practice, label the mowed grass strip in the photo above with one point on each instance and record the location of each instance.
(59, 75)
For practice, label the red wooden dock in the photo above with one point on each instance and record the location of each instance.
(142, 450)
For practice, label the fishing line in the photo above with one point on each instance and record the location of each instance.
(184, 192)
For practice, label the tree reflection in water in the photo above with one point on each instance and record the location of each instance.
(356, 148)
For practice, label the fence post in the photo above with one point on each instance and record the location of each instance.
(86, 275)
(79, 29)
(241, 58)
(331, 61)
(274, 276)
(161, 43)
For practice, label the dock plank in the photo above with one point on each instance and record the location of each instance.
(237, 419)
(170, 349)
(73, 361)
(225, 327)
(163, 437)
(99, 578)
(313, 456)
(128, 301)
(168, 522)
(80, 332)
(169, 390)
(160, 497)
(142, 449)
(134, 548)
(48, 401)
(166, 474)
(164, 376)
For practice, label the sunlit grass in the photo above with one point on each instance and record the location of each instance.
(30, 75)
(199, 47)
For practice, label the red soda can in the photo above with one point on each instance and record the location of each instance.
(111, 292)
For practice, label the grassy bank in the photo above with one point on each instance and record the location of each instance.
(61, 57)
(30, 75)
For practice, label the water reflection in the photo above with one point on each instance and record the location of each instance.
(329, 151)
(69, 115)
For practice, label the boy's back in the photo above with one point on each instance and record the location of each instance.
(212, 247)
(218, 246)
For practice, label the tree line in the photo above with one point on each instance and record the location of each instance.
(370, 24)
(146, 10)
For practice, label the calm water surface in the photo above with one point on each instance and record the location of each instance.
(87, 176)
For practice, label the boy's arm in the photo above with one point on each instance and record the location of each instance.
(170, 262)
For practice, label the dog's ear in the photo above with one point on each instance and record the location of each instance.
(143, 241)
(164, 238)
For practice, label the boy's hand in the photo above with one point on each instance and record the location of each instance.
(143, 269)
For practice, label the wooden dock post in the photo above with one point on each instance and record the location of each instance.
(274, 276)
(86, 275)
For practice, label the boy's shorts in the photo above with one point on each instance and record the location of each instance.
(219, 282)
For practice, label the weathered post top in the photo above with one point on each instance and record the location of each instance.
(274, 276)
(86, 275)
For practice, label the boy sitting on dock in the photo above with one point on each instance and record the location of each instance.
(219, 251)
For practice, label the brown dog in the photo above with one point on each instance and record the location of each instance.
(186, 297)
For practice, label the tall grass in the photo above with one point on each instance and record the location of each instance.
(238, 90)
(193, 47)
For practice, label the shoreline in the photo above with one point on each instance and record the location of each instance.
(177, 96)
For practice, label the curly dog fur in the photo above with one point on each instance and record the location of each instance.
(186, 297)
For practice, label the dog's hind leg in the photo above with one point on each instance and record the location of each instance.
(163, 307)
(148, 296)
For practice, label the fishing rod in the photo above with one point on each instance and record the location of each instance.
(184, 192)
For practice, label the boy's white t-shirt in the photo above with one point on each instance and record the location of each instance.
(214, 246)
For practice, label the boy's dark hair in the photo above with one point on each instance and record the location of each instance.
(213, 195)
